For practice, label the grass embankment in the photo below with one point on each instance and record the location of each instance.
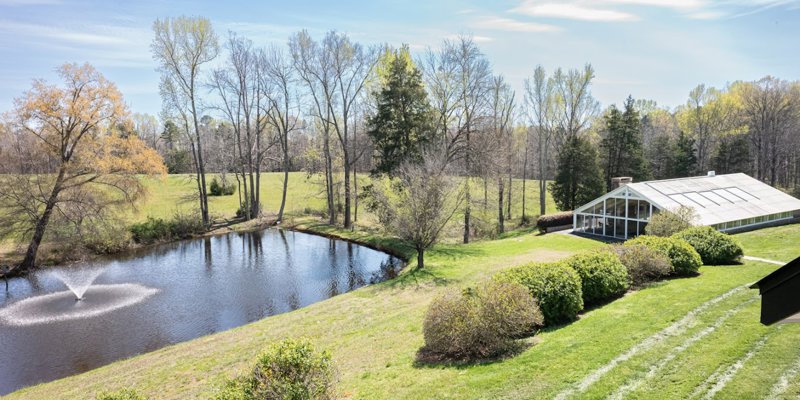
(678, 339)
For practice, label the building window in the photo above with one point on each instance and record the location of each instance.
(620, 208)
(610, 207)
(619, 228)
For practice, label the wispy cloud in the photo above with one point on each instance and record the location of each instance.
(100, 44)
(476, 38)
(628, 10)
(512, 25)
(22, 3)
(572, 10)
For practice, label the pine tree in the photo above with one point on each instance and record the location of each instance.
(684, 158)
(623, 154)
(732, 155)
(578, 178)
(402, 125)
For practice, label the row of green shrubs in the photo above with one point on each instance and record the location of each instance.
(180, 226)
(485, 322)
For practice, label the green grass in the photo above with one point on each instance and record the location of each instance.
(374, 333)
(174, 193)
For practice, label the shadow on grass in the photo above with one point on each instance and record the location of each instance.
(415, 277)
(431, 360)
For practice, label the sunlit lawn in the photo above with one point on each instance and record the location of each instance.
(375, 332)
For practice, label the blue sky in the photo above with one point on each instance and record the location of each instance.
(654, 49)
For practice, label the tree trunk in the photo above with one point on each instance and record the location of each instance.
(41, 224)
(508, 203)
(467, 200)
(329, 178)
(285, 175)
(524, 176)
(355, 194)
(201, 167)
(420, 258)
(347, 222)
(500, 218)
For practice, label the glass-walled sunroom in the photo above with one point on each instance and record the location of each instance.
(621, 216)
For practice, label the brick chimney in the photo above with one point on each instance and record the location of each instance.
(620, 181)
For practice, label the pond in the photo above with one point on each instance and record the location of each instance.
(167, 294)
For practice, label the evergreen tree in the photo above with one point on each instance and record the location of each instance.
(623, 154)
(684, 160)
(732, 155)
(402, 125)
(578, 178)
(661, 161)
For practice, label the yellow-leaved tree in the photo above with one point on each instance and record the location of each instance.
(69, 157)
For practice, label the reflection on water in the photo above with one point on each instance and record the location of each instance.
(203, 286)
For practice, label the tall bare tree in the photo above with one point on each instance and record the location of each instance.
(283, 112)
(182, 46)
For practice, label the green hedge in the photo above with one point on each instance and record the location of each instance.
(554, 220)
(683, 256)
(603, 276)
(714, 247)
(556, 286)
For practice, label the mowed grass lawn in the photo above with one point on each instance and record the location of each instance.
(306, 193)
(683, 338)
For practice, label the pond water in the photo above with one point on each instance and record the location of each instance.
(167, 294)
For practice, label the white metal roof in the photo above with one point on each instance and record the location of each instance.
(719, 198)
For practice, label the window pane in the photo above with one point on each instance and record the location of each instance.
(609, 226)
(633, 209)
(619, 226)
(632, 228)
(598, 208)
(642, 226)
(644, 209)
(620, 207)
(610, 207)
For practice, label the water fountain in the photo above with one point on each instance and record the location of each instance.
(82, 300)
(78, 280)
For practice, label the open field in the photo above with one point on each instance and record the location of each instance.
(306, 193)
(684, 338)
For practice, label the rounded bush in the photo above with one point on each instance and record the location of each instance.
(554, 220)
(479, 323)
(714, 247)
(289, 369)
(555, 286)
(603, 276)
(644, 264)
(685, 260)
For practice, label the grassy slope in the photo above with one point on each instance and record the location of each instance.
(375, 331)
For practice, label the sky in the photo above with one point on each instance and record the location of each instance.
(650, 49)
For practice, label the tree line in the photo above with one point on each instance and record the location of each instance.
(439, 129)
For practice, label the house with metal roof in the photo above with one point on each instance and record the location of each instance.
(731, 202)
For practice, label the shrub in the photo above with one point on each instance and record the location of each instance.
(181, 226)
(553, 220)
(667, 223)
(479, 323)
(684, 259)
(123, 394)
(217, 189)
(289, 369)
(555, 286)
(714, 247)
(603, 276)
(644, 264)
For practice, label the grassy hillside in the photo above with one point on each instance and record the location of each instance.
(683, 338)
